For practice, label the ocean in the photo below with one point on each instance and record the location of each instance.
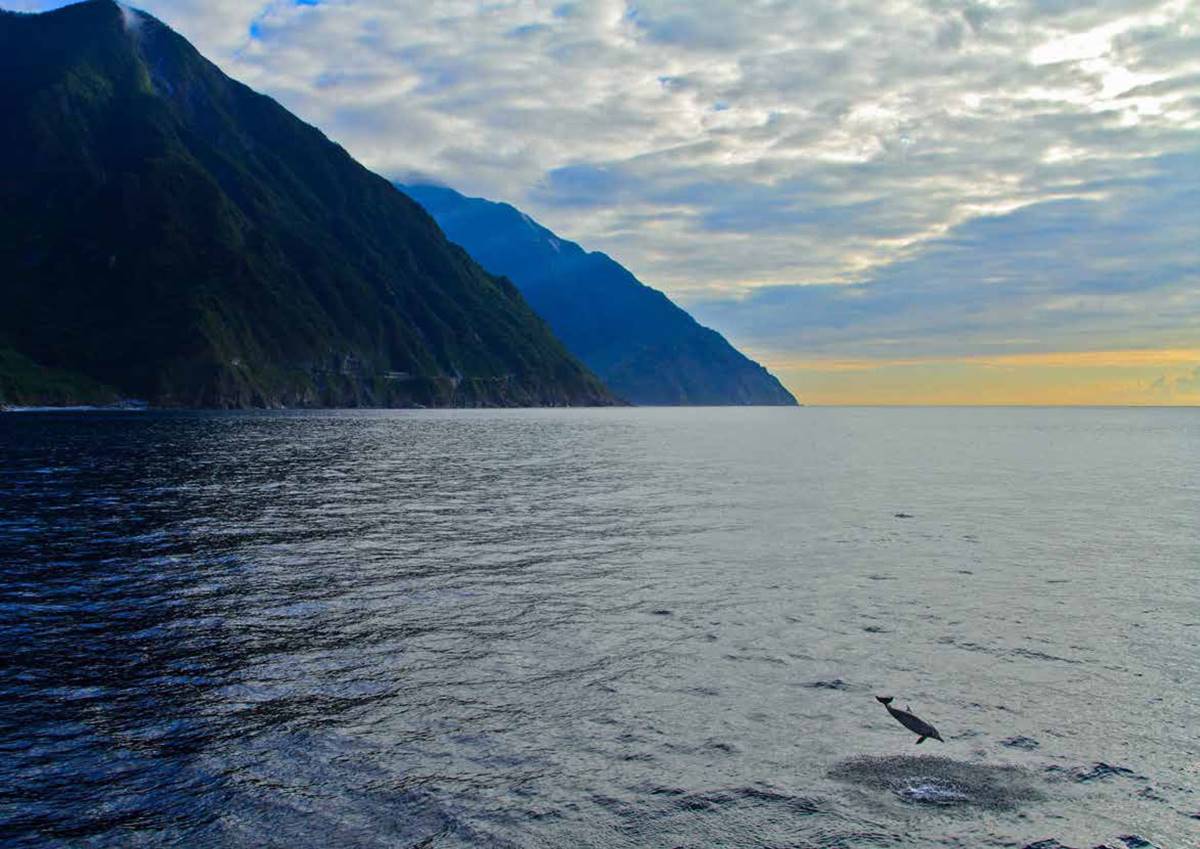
(600, 628)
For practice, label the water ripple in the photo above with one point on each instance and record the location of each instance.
(624, 628)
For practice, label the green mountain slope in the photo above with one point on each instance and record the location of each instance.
(166, 231)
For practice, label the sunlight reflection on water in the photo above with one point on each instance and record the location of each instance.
(597, 628)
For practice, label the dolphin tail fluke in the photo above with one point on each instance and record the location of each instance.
(921, 740)
(886, 700)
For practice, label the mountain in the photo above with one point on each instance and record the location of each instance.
(168, 234)
(645, 348)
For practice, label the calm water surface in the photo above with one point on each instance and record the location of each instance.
(608, 628)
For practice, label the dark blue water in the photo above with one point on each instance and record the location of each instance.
(610, 628)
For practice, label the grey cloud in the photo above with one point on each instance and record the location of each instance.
(1187, 83)
(1059, 275)
(721, 146)
(1189, 384)
(1158, 48)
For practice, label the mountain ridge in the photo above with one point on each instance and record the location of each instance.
(172, 234)
(646, 348)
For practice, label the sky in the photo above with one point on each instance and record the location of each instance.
(889, 201)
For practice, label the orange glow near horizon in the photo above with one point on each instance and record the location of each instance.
(1144, 377)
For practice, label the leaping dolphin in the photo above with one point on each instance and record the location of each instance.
(914, 724)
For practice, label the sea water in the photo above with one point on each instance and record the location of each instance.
(600, 628)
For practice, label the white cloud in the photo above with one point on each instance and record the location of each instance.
(722, 145)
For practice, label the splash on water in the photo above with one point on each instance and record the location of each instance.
(931, 790)
(940, 781)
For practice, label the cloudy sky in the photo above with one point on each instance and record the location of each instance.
(884, 201)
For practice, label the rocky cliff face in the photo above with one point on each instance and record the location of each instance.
(643, 346)
(170, 234)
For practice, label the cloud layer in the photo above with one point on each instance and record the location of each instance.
(848, 178)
